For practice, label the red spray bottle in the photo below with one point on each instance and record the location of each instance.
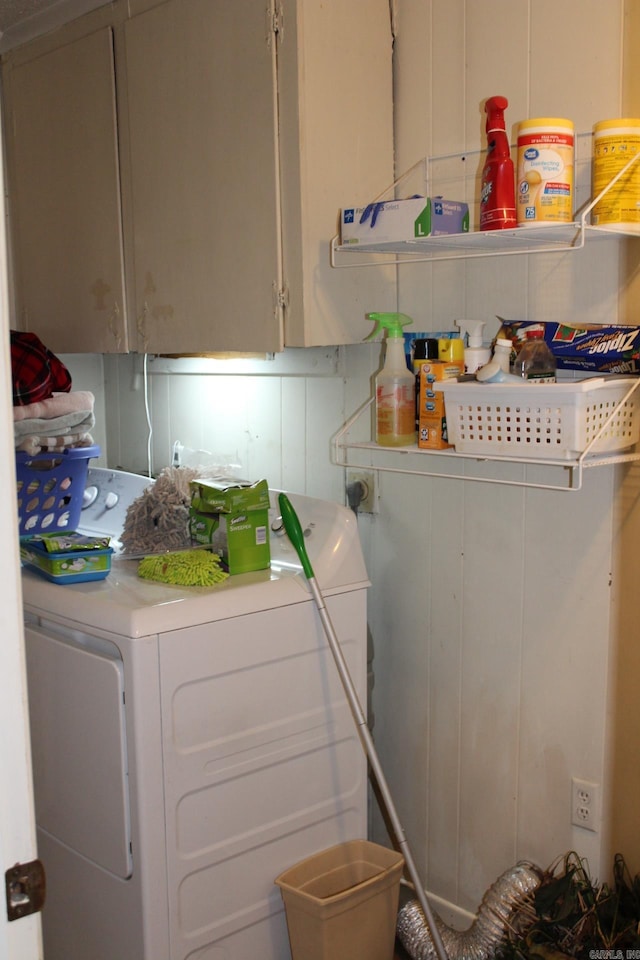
(498, 193)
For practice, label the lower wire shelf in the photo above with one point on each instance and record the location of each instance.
(414, 460)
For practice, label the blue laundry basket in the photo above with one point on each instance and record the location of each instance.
(51, 487)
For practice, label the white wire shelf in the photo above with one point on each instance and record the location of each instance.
(457, 177)
(567, 474)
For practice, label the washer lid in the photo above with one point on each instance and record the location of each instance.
(124, 604)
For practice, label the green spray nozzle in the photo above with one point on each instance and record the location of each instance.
(391, 322)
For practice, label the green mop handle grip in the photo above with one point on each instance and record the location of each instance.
(295, 534)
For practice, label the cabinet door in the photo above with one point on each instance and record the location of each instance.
(202, 177)
(64, 196)
(336, 147)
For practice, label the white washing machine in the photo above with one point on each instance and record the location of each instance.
(189, 744)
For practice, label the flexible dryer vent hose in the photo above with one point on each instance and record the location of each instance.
(496, 914)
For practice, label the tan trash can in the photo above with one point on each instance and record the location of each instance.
(342, 903)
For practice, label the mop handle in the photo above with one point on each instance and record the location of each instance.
(296, 536)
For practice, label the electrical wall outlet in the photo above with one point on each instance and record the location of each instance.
(369, 501)
(585, 804)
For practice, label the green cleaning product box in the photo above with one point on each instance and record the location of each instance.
(400, 220)
(67, 557)
(233, 516)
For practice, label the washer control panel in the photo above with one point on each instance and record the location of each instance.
(107, 497)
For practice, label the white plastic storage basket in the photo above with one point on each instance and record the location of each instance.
(554, 421)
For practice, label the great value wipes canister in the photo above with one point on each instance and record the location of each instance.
(615, 143)
(544, 178)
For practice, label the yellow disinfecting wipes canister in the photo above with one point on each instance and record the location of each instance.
(544, 179)
(615, 144)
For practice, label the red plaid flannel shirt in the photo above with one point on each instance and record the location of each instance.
(36, 372)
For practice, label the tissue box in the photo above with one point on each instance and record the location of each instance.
(234, 517)
(400, 220)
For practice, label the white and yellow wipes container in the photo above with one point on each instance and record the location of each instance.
(615, 144)
(545, 171)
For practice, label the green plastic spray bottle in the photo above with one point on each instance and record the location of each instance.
(395, 385)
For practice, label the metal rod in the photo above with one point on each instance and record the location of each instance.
(294, 532)
(370, 750)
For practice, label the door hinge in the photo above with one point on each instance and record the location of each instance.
(276, 19)
(281, 297)
(25, 885)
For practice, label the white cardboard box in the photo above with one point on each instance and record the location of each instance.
(399, 220)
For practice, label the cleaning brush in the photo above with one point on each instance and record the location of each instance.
(186, 568)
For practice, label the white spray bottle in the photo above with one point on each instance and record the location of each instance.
(475, 354)
(395, 385)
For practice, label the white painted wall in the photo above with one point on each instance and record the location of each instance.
(503, 620)
(516, 641)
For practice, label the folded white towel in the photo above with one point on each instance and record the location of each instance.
(78, 422)
(37, 444)
(56, 405)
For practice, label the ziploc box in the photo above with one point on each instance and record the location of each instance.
(398, 220)
(432, 417)
(591, 347)
(234, 515)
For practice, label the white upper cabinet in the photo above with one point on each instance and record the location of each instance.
(64, 196)
(336, 149)
(201, 138)
(206, 150)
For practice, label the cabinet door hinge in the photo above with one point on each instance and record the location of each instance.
(280, 297)
(276, 19)
(25, 886)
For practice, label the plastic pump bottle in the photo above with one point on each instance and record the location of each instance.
(475, 354)
(395, 385)
(498, 191)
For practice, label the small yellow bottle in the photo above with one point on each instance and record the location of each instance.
(451, 349)
(395, 385)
